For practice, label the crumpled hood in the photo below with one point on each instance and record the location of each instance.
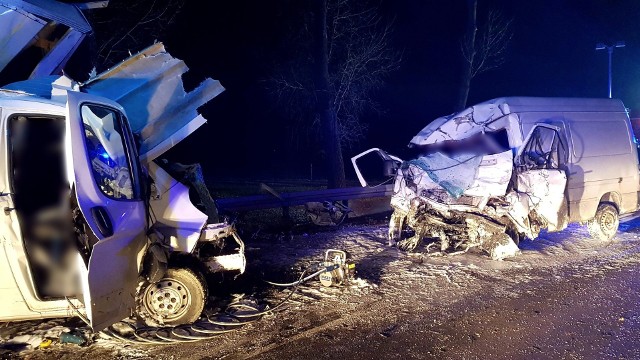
(25, 25)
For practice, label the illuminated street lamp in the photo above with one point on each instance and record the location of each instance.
(609, 48)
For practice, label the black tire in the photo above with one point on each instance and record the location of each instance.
(178, 298)
(605, 224)
(511, 230)
(513, 234)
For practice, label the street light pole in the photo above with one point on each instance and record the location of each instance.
(610, 51)
(602, 46)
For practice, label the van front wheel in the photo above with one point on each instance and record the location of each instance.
(605, 224)
(178, 298)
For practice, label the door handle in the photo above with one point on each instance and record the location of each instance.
(102, 220)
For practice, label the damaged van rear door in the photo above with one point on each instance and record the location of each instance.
(107, 180)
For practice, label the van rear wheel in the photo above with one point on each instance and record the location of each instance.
(605, 224)
(178, 298)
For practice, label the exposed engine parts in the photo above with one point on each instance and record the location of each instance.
(454, 231)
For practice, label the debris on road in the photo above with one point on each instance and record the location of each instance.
(73, 337)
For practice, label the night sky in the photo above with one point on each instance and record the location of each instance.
(240, 43)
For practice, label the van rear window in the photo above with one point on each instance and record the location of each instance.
(600, 138)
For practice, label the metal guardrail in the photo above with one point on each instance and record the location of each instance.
(284, 200)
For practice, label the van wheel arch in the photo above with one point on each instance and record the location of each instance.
(612, 198)
(189, 261)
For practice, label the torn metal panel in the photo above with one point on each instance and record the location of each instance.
(545, 191)
(192, 176)
(227, 263)
(492, 176)
(17, 29)
(60, 12)
(27, 24)
(91, 5)
(174, 214)
(490, 237)
(149, 86)
(56, 59)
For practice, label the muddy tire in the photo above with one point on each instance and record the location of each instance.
(605, 224)
(178, 298)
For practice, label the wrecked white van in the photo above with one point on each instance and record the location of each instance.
(92, 226)
(509, 167)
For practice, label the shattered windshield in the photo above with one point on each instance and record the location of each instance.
(454, 164)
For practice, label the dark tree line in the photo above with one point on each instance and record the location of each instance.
(342, 56)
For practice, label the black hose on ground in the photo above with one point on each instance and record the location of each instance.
(237, 314)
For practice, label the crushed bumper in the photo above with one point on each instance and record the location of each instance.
(227, 243)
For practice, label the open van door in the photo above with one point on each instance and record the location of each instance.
(541, 175)
(106, 176)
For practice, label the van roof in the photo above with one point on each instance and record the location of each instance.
(26, 101)
(488, 111)
(546, 104)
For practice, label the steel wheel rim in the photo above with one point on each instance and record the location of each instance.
(167, 299)
(608, 222)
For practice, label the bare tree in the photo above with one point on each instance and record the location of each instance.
(336, 75)
(482, 52)
(126, 27)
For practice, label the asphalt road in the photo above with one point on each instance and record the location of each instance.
(566, 296)
(582, 305)
(595, 317)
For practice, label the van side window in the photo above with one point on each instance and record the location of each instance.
(105, 145)
(544, 150)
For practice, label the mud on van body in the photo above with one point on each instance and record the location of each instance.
(507, 168)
